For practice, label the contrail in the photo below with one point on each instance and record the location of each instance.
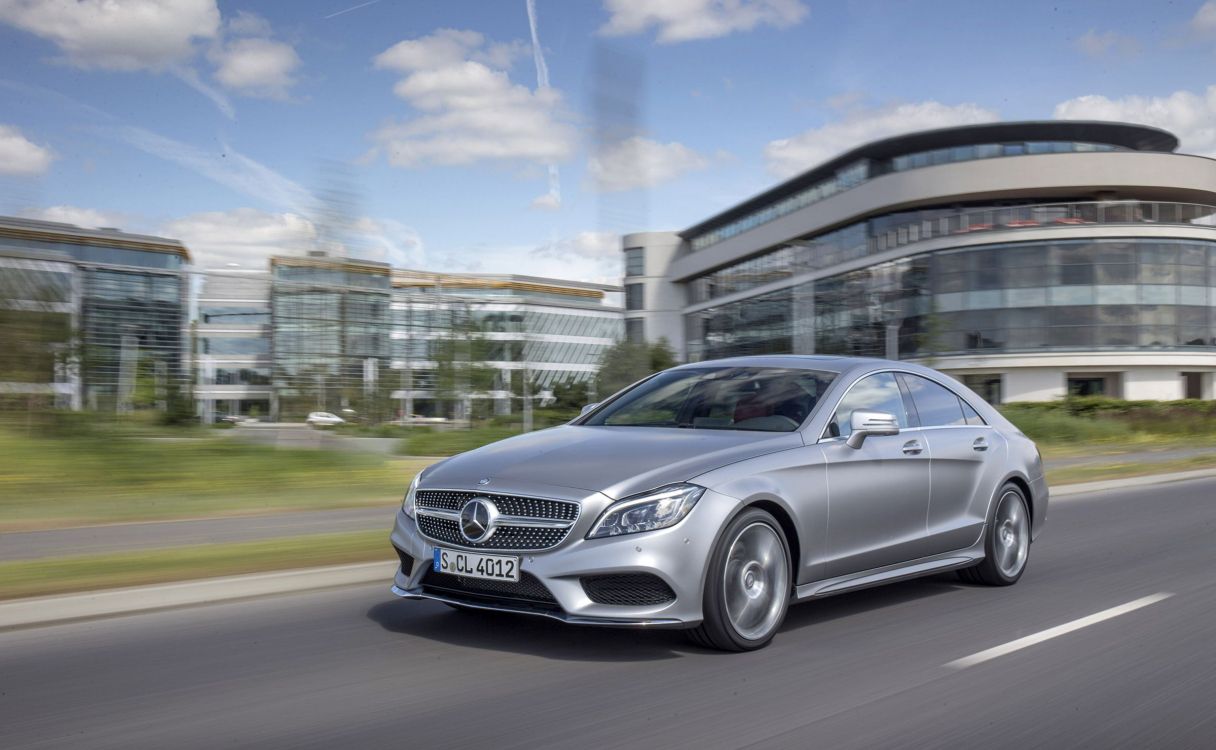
(542, 83)
(348, 10)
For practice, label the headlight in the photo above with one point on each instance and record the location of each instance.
(407, 505)
(656, 509)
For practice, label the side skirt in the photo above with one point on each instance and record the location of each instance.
(879, 576)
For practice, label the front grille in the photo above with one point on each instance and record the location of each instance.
(628, 589)
(505, 537)
(508, 505)
(528, 592)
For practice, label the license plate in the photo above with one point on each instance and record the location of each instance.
(475, 565)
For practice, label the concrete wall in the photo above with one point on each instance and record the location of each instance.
(1032, 384)
(1152, 384)
(664, 300)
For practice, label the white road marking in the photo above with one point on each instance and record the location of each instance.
(1059, 630)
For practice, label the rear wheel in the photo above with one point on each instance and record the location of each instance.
(747, 587)
(1006, 542)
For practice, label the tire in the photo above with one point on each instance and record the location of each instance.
(1006, 541)
(747, 585)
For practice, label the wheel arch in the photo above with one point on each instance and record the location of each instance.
(1022, 483)
(783, 518)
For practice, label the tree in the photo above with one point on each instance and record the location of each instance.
(627, 362)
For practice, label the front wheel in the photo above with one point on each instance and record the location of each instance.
(747, 586)
(1006, 542)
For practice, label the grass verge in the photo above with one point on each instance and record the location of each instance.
(1100, 472)
(50, 482)
(63, 575)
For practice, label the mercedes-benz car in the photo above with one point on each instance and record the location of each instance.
(711, 496)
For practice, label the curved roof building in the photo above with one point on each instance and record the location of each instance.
(1029, 259)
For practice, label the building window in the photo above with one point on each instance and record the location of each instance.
(635, 261)
(1094, 384)
(1192, 384)
(635, 331)
(987, 387)
(633, 297)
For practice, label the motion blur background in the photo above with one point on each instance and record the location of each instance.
(259, 265)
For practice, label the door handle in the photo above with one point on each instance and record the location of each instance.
(980, 444)
(912, 447)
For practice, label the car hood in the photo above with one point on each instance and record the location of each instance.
(615, 461)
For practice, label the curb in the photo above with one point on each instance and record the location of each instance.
(1081, 488)
(45, 610)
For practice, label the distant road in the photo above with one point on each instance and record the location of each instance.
(357, 668)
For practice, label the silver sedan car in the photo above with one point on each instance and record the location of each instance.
(713, 495)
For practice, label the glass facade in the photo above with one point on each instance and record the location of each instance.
(897, 229)
(634, 299)
(131, 336)
(330, 331)
(635, 261)
(1011, 297)
(858, 172)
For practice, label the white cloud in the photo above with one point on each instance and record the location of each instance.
(256, 67)
(468, 109)
(1204, 20)
(387, 241)
(683, 20)
(788, 156)
(245, 23)
(1095, 44)
(117, 34)
(547, 202)
(21, 156)
(641, 163)
(585, 256)
(230, 168)
(247, 236)
(190, 78)
(1190, 116)
(90, 218)
(244, 236)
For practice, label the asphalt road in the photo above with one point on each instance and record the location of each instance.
(122, 537)
(355, 668)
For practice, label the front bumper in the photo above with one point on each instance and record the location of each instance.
(678, 555)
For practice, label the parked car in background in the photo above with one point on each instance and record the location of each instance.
(713, 495)
(324, 419)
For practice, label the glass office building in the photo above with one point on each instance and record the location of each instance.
(462, 338)
(329, 336)
(91, 318)
(1030, 260)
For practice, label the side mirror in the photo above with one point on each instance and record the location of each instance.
(587, 408)
(867, 423)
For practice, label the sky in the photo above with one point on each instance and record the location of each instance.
(523, 136)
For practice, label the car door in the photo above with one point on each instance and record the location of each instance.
(964, 450)
(878, 494)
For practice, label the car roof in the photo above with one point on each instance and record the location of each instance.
(824, 363)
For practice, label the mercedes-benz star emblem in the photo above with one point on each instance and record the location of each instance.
(483, 481)
(477, 519)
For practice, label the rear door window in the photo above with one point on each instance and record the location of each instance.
(935, 404)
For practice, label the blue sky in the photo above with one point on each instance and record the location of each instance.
(234, 125)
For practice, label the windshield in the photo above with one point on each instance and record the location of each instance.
(768, 399)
